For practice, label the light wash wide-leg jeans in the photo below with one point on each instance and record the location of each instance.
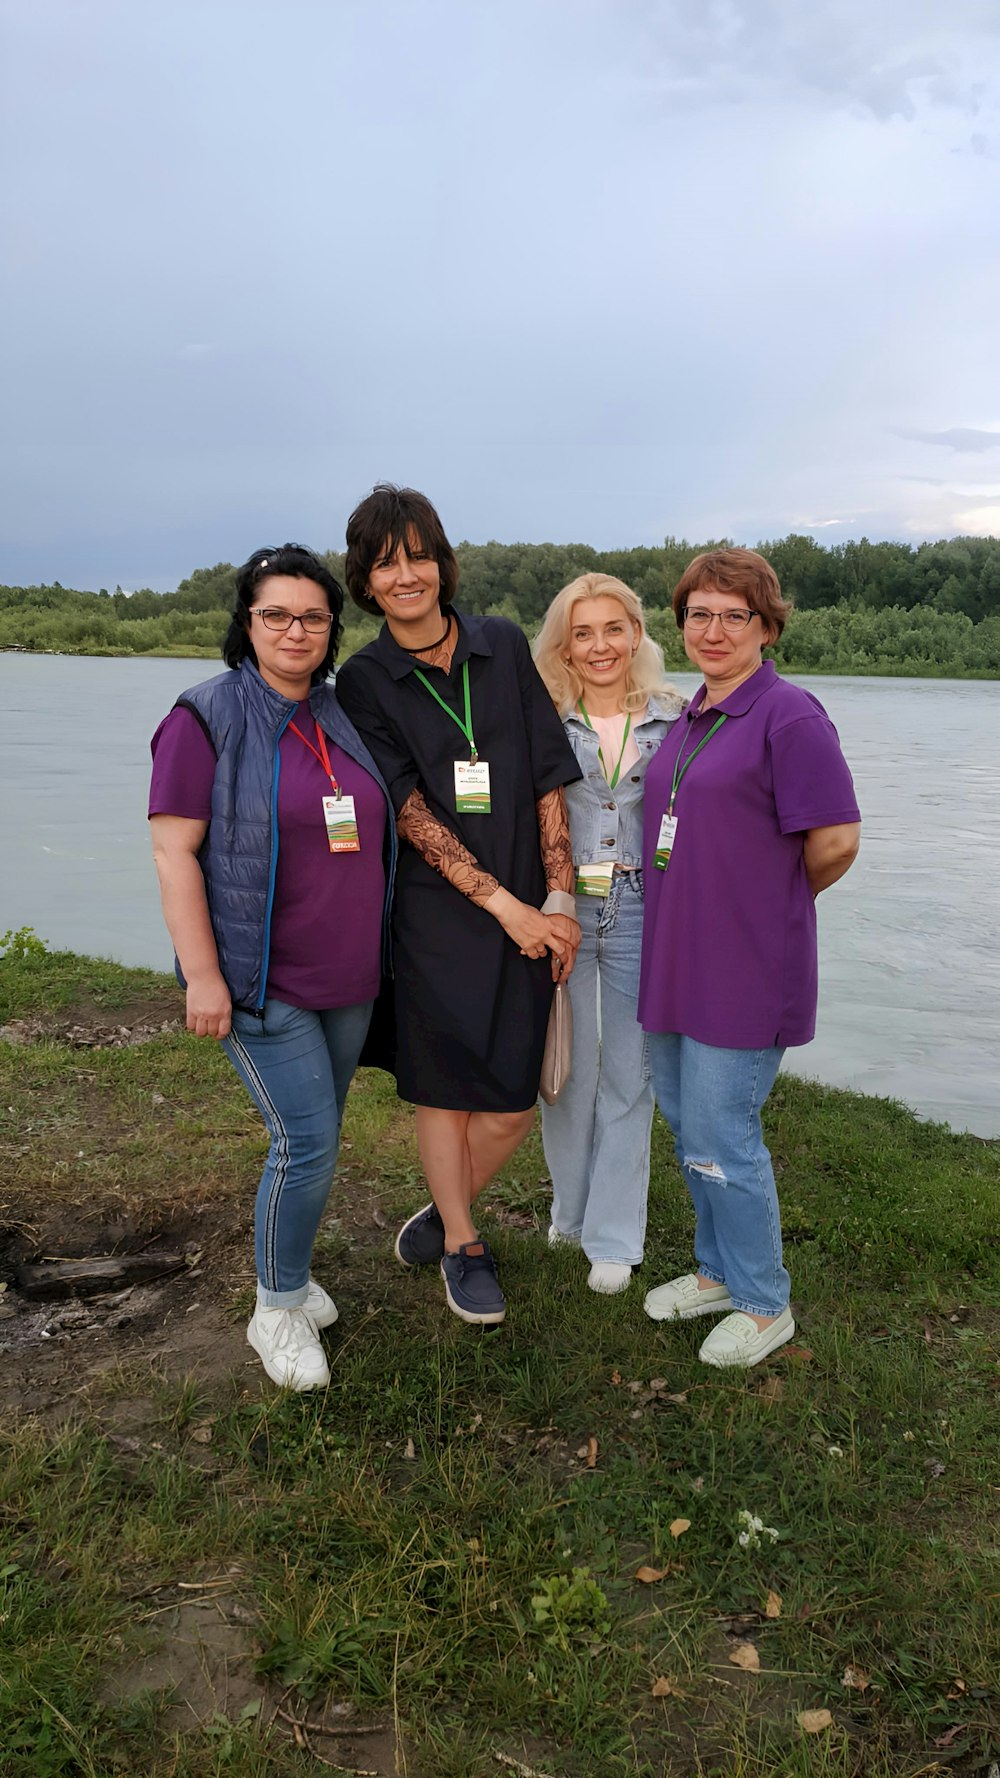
(596, 1137)
(712, 1100)
(297, 1067)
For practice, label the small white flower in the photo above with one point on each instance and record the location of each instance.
(754, 1529)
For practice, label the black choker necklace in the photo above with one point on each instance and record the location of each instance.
(428, 646)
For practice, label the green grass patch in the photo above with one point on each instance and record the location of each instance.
(450, 1538)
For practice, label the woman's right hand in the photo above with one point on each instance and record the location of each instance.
(209, 1007)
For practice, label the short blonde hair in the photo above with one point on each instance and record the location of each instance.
(565, 687)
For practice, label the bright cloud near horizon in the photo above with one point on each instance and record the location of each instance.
(593, 271)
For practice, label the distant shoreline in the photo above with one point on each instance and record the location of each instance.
(791, 672)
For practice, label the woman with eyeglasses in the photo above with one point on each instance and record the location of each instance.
(274, 846)
(750, 813)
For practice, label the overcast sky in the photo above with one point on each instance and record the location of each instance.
(583, 270)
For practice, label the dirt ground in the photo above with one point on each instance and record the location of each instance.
(108, 1354)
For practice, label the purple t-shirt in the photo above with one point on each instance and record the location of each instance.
(729, 937)
(326, 923)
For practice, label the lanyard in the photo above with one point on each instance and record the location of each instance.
(466, 726)
(612, 778)
(320, 752)
(679, 769)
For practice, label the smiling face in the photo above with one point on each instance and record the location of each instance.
(407, 588)
(602, 640)
(724, 657)
(287, 659)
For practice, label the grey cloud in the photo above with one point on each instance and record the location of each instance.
(958, 438)
(885, 62)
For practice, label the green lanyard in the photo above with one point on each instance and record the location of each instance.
(611, 778)
(679, 769)
(466, 726)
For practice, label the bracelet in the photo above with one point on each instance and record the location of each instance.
(558, 902)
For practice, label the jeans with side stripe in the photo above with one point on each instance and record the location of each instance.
(297, 1067)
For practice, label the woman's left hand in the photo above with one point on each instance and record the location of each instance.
(564, 945)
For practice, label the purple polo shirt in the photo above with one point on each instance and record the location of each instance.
(729, 937)
(326, 923)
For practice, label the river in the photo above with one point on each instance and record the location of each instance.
(909, 958)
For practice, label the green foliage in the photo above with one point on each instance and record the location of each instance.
(23, 943)
(570, 1607)
(930, 610)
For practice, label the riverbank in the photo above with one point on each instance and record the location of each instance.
(356, 638)
(522, 1547)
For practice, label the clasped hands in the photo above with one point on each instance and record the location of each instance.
(534, 933)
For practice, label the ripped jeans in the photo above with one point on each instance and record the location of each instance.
(712, 1100)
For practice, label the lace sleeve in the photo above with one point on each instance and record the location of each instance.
(443, 851)
(553, 830)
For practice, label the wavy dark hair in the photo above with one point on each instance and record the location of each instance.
(384, 519)
(301, 564)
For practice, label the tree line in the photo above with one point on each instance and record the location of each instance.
(930, 609)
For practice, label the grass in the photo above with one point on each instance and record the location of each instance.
(450, 1537)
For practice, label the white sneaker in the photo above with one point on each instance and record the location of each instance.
(681, 1299)
(609, 1278)
(319, 1305)
(558, 1239)
(739, 1341)
(288, 1345)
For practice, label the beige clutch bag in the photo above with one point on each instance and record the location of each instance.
(558, 1055)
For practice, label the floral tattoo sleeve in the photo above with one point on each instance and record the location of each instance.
(553, 830)
(443, 851)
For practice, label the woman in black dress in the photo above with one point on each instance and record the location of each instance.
(475, 758)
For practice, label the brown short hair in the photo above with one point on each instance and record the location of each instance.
(735, 571)
(384, 519)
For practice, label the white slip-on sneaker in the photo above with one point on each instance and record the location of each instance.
(609, 1278)
(288, 1345)
(319, 1305)
(739, 1341)
(681, 1299)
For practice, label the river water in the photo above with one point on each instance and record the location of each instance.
(909, 958)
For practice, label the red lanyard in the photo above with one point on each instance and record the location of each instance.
(320, 752)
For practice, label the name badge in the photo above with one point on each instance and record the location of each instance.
(665, 841)
(341, 824)
(472, 787)
(594, 879)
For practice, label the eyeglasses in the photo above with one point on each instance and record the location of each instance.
(274, 618)
(697, 618)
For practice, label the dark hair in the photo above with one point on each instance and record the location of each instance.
(384, 519)
(735, 571)
(301, 564)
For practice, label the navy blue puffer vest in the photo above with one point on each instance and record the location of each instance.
(244, 718)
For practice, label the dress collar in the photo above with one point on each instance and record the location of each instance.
(472, 639)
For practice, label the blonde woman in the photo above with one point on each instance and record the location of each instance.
(605, 677)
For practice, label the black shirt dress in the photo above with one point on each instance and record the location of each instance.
(471, 1012)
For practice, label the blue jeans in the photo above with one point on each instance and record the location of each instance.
(596, 1136)
(297, 1067)
(712, 1100)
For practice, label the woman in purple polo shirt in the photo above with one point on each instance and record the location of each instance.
(750, 812)
(268, 817)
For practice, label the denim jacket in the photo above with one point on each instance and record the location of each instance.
(604, 823)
